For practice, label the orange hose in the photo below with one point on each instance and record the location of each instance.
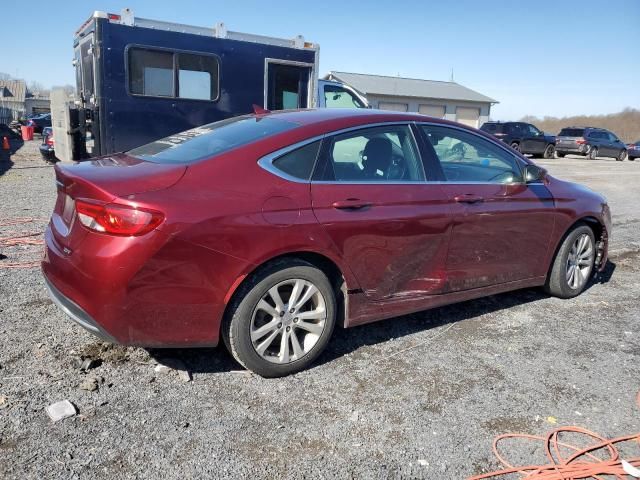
(581, 464)
(24, 239)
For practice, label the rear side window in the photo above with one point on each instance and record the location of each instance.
(209, 140)
(298, 163)
(160, 73)
(571, 132)
(493, 127)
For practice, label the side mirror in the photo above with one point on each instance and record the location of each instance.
(534, 173)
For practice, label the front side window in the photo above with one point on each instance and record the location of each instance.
(209, 140)
(338, 97)
(379, 154)
(466, 157)
(533, 131)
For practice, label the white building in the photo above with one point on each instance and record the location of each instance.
(448, 100)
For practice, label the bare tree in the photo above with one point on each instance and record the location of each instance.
(36, 87)
(625, 124)
(5, 76)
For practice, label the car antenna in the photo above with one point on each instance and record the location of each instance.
(258, 110)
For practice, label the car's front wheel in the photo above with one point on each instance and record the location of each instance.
(560, 155)
(622, 155)
(593, 153)
(573, 264)
(549, 152)
(281, 319)
(516, 146)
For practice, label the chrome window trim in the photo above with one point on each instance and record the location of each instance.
(266, 162)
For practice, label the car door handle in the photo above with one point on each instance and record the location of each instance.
(351, 204)
(468, 198)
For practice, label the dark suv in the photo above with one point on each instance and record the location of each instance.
(523, 137)
(589, 141)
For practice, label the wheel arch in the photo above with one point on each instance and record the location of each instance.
(599, 233)
(324, 263)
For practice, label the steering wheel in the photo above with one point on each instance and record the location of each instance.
(397, 169)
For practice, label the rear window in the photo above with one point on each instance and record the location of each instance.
(211, 139)
(571, 132)
(493, 127)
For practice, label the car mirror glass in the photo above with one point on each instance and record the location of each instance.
(534, 173)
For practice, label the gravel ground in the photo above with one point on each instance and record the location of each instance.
(420, 396)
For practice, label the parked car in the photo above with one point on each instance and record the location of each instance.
(47, 146)
(39, 122)
(266, 230)
(633, 150)
(523, 137)
(591, 142)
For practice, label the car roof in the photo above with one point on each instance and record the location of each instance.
(350, 117)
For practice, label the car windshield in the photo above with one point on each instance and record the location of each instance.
(571, 132)
(211, 139)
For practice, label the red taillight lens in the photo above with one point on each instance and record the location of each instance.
(581, 141)
(49, 140)
(115, 219)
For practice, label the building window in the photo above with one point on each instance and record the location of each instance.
(154, 73)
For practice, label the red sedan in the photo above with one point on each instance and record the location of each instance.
(268, 229)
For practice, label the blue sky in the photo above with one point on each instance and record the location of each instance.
(538, 57)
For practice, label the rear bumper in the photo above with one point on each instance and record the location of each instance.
(154, 292)
(576, 149)
(76, 313)
(47, 152)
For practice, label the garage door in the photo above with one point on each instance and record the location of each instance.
(432, 110)
(468, 116)
(396, 107)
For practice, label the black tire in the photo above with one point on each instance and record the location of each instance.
(593, 153)
(516, 146)
(557, 283)
(622, 155)
(237, 324)
(560, 155)
(550, 151)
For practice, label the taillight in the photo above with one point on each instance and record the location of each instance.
(581, 141)
(49, 140)
(116, 219)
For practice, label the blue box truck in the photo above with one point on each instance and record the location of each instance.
(138, 80)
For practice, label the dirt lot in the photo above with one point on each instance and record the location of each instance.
(419, 396)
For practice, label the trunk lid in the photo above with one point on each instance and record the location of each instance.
(104, 179)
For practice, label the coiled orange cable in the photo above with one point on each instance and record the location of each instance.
(581, 464)
(24, 239)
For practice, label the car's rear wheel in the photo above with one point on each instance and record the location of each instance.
(516, 146)
(573, 264)
(549, 152)
(281, 319)
(622, 155)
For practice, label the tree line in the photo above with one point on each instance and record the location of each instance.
(625, 124)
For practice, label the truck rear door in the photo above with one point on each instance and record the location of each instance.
(287, 85)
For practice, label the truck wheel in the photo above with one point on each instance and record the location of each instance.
(593, 153)
(573, 264)
(281, 319)
(622, 155)
(549, 152)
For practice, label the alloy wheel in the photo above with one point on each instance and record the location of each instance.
(580, 262)
(288, 321)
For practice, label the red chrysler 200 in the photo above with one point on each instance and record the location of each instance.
(268, 229)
